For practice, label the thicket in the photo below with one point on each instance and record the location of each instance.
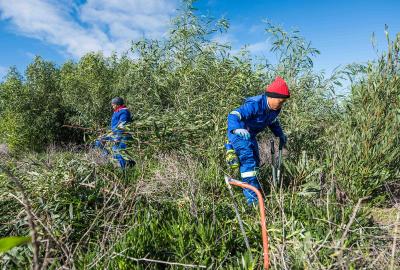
(365, 153)
(174, 206)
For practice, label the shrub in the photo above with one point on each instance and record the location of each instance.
(31, 109)
(364, 144)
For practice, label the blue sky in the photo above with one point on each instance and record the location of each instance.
(67, 29)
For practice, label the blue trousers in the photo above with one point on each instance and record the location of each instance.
(118, 146)
(249, 157)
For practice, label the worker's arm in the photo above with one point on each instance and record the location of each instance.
(276, 129)
(124, 119)
(119, 129)
(236, 117)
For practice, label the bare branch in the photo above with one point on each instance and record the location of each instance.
(158, 261)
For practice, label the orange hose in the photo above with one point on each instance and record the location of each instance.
(262, 216)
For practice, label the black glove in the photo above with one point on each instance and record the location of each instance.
(282, 140)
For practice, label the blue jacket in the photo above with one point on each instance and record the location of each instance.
(254, 115)
(120, 116)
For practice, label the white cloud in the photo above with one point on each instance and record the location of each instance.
(225, 38)
(257, 28)
(261, 47)
(127, 18)
(94, 26)
(235, 39)
(50, 23)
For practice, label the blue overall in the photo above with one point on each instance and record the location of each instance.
(118, 138)
(254, 115)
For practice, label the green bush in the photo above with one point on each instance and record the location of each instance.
(86, 88)
(31, 109)
(364, 146)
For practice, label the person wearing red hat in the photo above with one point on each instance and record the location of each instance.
(245, 122)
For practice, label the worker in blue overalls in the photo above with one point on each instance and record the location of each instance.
(245, 122)
(118, 138)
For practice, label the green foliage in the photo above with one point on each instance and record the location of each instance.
(177, 210)
(12, 128)
(31, 108)
(13, 132)
(7, 243)
(312, 107)
(365, 143)
(87, 90)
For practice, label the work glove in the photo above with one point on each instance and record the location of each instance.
(244, 133)
(121, 126)
(282, 140)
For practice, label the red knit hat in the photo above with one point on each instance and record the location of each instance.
(278, 89)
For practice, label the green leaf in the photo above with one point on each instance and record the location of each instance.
(7, 243)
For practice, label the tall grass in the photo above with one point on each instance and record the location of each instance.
(92, 217)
